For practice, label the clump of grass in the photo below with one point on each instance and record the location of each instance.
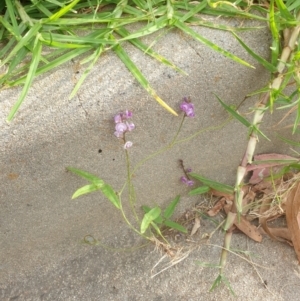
(89, 28)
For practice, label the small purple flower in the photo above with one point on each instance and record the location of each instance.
(186, 181)
(188, 170)
(122, 126)
(128, 144)
(130, 126)
(187, 107)
(118, 118)
(127, 114)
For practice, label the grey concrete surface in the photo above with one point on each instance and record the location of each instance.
(41, 230)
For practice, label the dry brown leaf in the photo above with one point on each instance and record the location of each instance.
(217, 193)
(263, 170)
(217, 207)
(196, 225)
(281, 234)
(292, 215)
(247, 228)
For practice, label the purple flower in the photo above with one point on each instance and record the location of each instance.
(130, 126)
(128, 144)
(186, 181)
(118, 118)
(187, 107)
(127, 115)
(122, 126)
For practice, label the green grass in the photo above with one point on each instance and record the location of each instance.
(29, 27)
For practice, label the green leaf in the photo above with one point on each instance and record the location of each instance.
(137, 43)
(99, 184)
(91, 178)
(171, 207)
(199, 190)
(175, 226)
(108, 191)
(149, 217)
(193, 11)
(63, 10)
(86, 72)
(284, 11)
(241, 119)
(216, 283)
(210, 44)
(158, 220)
(157, 229)
(260, 59)
(140, 77)
(219, 280)
(215, 185)
(234, 113)
(149, 29)
(84, 190)
(36, 55)
(291, 142)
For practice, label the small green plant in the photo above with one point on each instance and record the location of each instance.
(154, 218)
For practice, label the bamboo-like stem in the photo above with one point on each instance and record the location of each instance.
(291, 37)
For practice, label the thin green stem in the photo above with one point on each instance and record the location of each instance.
(128, 222)
(131, 192)
(174, 142)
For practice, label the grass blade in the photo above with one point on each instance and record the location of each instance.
(175, 226)
(86, 72)
(171, 207)
(199, 190)
(36, 55)
(63, 10)
(55, 63)
(194, 11)
(213, 184)
(261, 60)
(33, 31)
(137, 43)
(140, 77)
(210, 44)
(234, 113)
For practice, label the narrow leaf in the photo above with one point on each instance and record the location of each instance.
(158, 220)
(260, 59)
(36, 55)
(171, 207)
(84, 190)
(199, 190)
(215, 185)
(108, 191)
(63, 10)
(149, 217)
(210, 44)
(140, 77)
(175, 226)
(234, 113)
(91, 178)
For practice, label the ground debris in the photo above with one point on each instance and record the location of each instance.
(267, 197)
